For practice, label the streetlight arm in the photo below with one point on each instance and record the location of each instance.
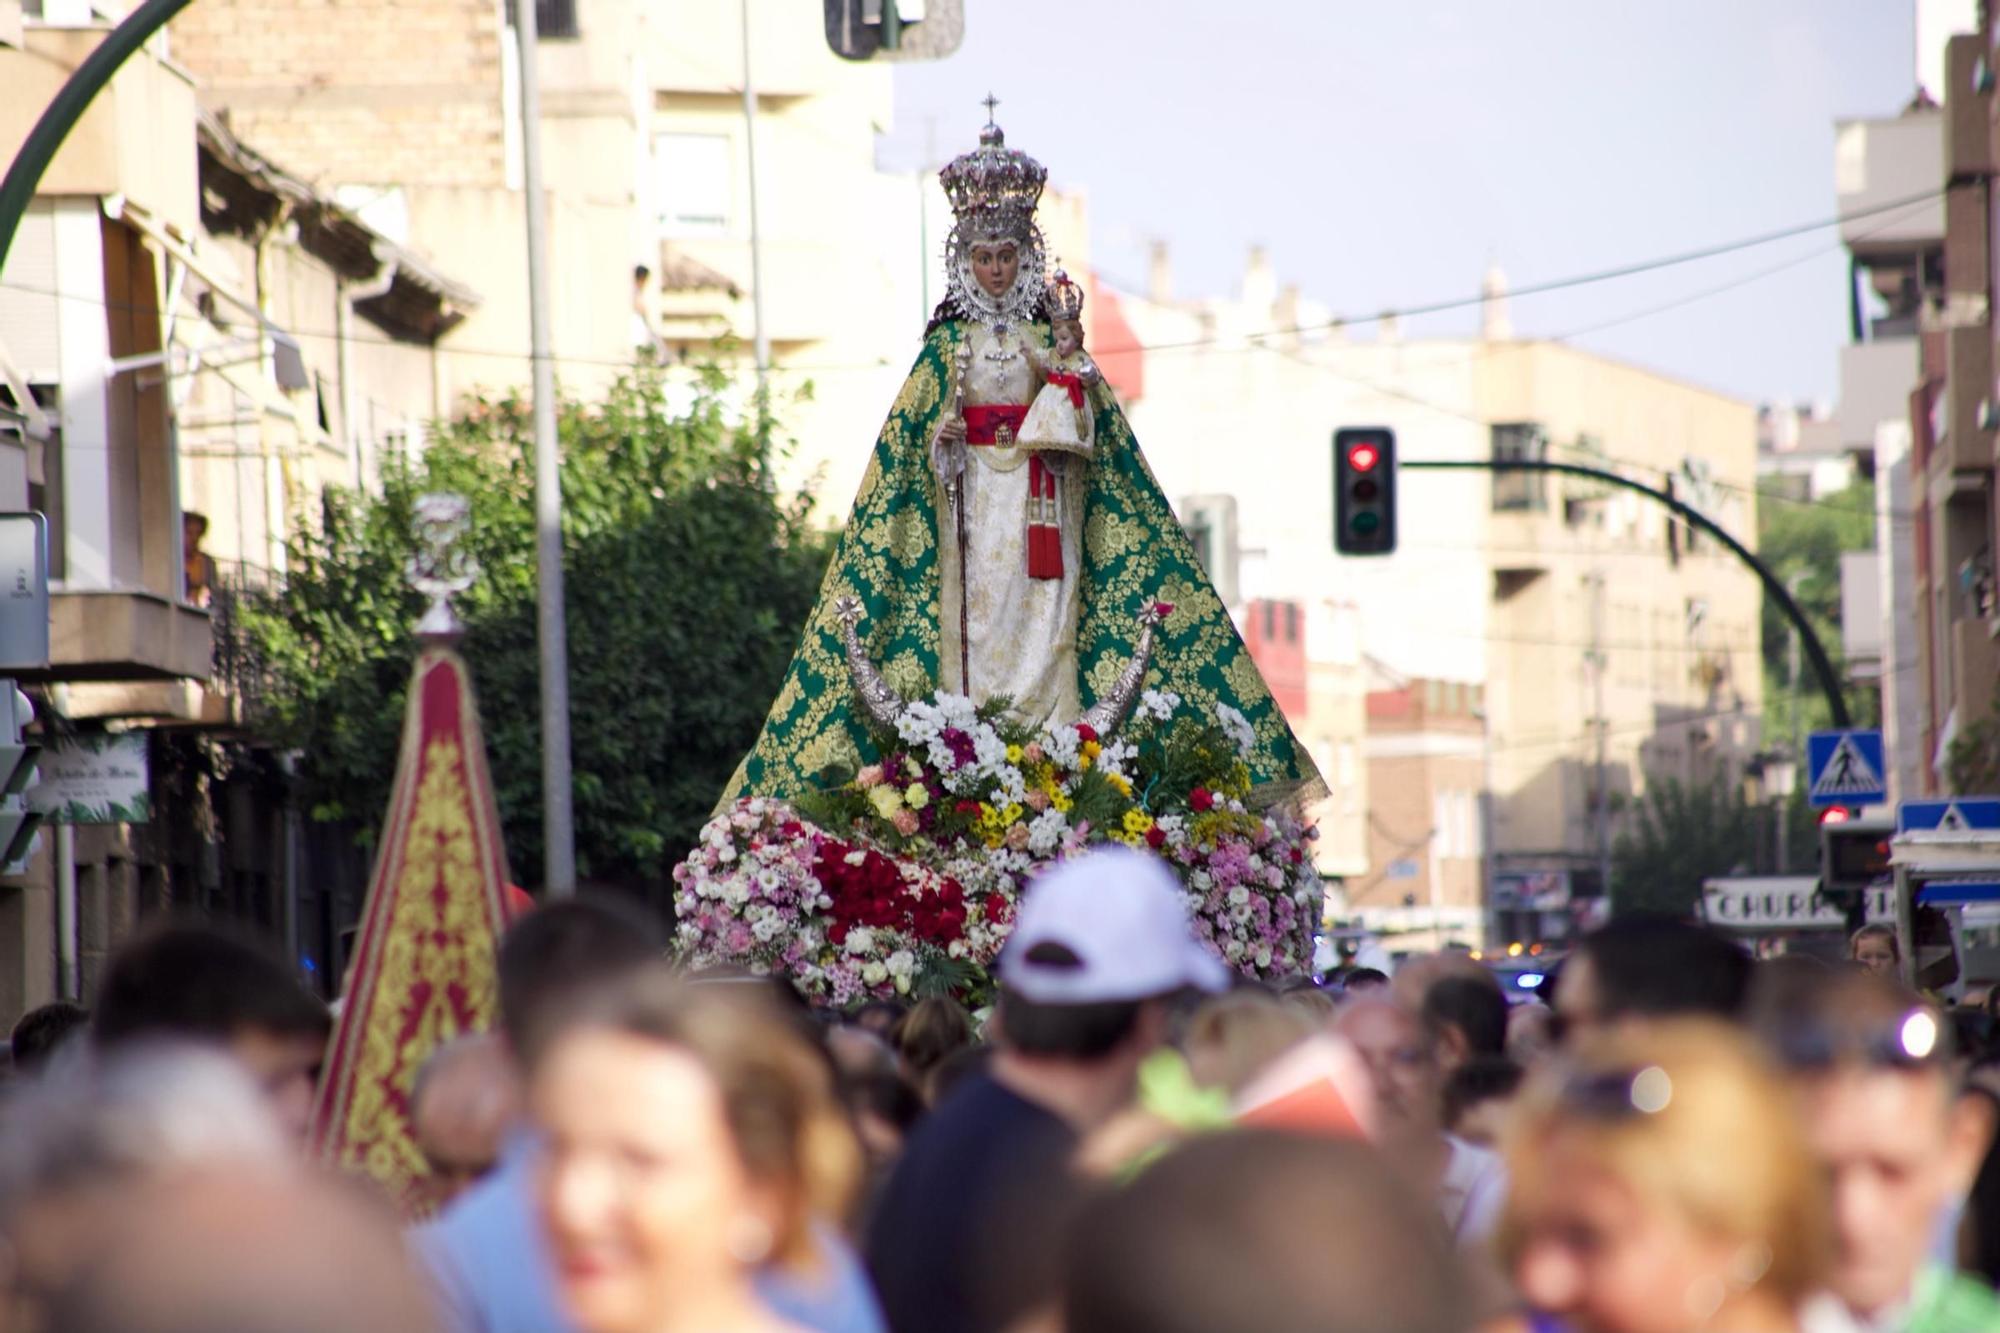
(1829, 679)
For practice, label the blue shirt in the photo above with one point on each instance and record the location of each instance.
(490, 1265)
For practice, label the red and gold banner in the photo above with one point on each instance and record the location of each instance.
(425, 962)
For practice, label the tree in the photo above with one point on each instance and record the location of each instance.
(1802, 542)
(1681, 834)
(688, 583)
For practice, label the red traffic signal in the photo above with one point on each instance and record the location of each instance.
(1835, 814)
(1364, 490)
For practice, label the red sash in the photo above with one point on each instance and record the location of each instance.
(1074, 383)
(982, 426)
(983, 421)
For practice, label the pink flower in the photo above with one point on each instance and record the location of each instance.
(1163, 609)
(870, 776)
(1017, 837)
(905, 821)
(1033, 753)
(1036, 800)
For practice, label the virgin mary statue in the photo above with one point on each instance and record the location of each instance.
(991, 560)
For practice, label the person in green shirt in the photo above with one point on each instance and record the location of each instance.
(1880, 1108)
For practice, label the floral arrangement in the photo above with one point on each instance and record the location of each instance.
(902, 877)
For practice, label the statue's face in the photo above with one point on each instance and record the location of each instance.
(994, 266)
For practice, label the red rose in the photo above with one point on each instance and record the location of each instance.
(1297, 856)
(1156, 837)
(968, 807)
(1200, 800)
(1085, 732)
(1163, 609)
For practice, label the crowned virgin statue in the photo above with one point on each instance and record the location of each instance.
(1008, 539)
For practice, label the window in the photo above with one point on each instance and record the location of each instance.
(695, 177)
(1291, 622)
(1513, 491)
(1270, 621)
(555, 18)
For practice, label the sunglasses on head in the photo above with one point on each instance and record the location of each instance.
(1618, 1093)
(1910, 1042)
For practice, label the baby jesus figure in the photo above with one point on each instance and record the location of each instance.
(1060, 422)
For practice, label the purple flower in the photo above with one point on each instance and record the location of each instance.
(960, 745)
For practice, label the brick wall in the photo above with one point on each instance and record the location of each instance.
(360, 92)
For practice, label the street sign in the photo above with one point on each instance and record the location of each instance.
(1845, 768)
(1960, 814)
(24, 592)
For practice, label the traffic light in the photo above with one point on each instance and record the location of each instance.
(1364, 490)
(1853, 855)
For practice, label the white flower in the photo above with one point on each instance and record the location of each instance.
(1045, 834)
(1238, 896)
(860, 940)
(874, 974)
(1237, 727)
(1159, 704)
(902, 963)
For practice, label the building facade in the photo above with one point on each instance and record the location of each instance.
(192, 344)
(1609, 642)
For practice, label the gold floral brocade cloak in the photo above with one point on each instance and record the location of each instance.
(1134, 553)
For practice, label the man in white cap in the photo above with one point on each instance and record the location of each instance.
(965, 1237)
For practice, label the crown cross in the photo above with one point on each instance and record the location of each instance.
(991, 104)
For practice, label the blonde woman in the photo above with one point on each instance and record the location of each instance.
(694, 1148)
(1661, 1185)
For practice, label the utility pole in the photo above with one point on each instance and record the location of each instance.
(760, 339)
(558, 819)
(1599, 661)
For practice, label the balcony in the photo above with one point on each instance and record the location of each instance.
(1968, 110)
(1975, 663)
(1968, 433)
(120, 635)
(1875, 383)
(1879, 162)
(132, 141)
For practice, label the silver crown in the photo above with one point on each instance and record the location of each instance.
(1065, 298)
(994, 189)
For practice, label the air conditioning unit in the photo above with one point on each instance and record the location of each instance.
(1210, 523)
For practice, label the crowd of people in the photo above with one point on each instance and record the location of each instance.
(1125, 1139)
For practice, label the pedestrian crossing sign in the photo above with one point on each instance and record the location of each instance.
(1845, 768)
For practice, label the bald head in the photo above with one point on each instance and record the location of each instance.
(234, 1250)
(466, 1098)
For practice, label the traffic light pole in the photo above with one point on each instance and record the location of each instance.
(1774, 587)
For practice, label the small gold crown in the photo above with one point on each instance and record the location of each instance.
(1065, 298)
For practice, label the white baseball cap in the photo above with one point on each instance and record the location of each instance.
(1121, 934)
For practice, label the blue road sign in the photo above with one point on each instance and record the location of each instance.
(1845, 768)
(1960, 814)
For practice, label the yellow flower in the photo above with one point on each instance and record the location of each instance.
(1091, 749)
(1121, 782)
(1083, 762)
(886, 800)
(1137, 821)
(1014, 754)
(1060, 800)
(918, 796)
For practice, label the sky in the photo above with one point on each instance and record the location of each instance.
(1387, 153)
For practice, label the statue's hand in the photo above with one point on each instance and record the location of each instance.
(1089, 374)
(953, 430)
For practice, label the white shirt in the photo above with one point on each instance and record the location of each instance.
(1472, 1192)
